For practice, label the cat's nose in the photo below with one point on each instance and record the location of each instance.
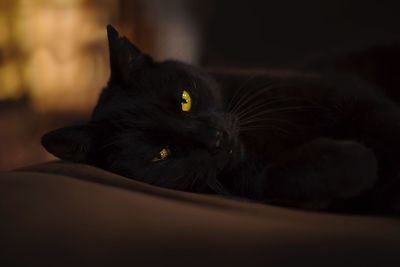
(220, 140)
(213, 139)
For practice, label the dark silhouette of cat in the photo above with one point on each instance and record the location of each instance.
(324, 136)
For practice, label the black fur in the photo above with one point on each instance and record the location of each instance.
(318, 137)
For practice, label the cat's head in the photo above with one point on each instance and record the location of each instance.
(159, 122)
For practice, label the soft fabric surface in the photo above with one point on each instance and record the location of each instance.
(63, 214)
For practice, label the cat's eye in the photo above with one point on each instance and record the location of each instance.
(186, 101)
(162, 155)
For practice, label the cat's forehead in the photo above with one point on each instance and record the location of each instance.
(164, 82)
(157, 90)
(194, 78)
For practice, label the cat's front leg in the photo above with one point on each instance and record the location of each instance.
(385, 198)
(318, 173)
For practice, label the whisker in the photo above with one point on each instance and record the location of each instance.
(258, 91)
(196, 177)
(251, 122)
(251, 109)
(251, 129)
(248, 96)
(236, 93)
(276, 110)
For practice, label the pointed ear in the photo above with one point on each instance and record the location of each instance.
(125, 57)
(70, 143)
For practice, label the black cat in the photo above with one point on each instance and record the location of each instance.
(323, 137)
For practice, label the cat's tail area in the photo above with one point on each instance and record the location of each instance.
(378, 64)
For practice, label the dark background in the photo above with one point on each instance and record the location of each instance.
(255, 33)
(54, 59)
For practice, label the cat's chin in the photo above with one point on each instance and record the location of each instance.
(228, 156)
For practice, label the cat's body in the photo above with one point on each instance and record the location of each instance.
(325, 132)
(318, 139)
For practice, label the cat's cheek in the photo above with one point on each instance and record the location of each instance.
(221, 160)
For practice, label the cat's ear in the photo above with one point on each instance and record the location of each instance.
(125, 57)
(71, 143)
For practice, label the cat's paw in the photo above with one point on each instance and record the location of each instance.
(318, 173)
(356, 171)
(386, 197)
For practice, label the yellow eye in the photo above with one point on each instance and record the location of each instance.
(186, 101)
(163, 154)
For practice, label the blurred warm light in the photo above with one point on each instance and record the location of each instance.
(4, 31)
(55, 51)
(10, 81)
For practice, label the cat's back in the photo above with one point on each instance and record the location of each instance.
(282, 108)
(323, 88)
